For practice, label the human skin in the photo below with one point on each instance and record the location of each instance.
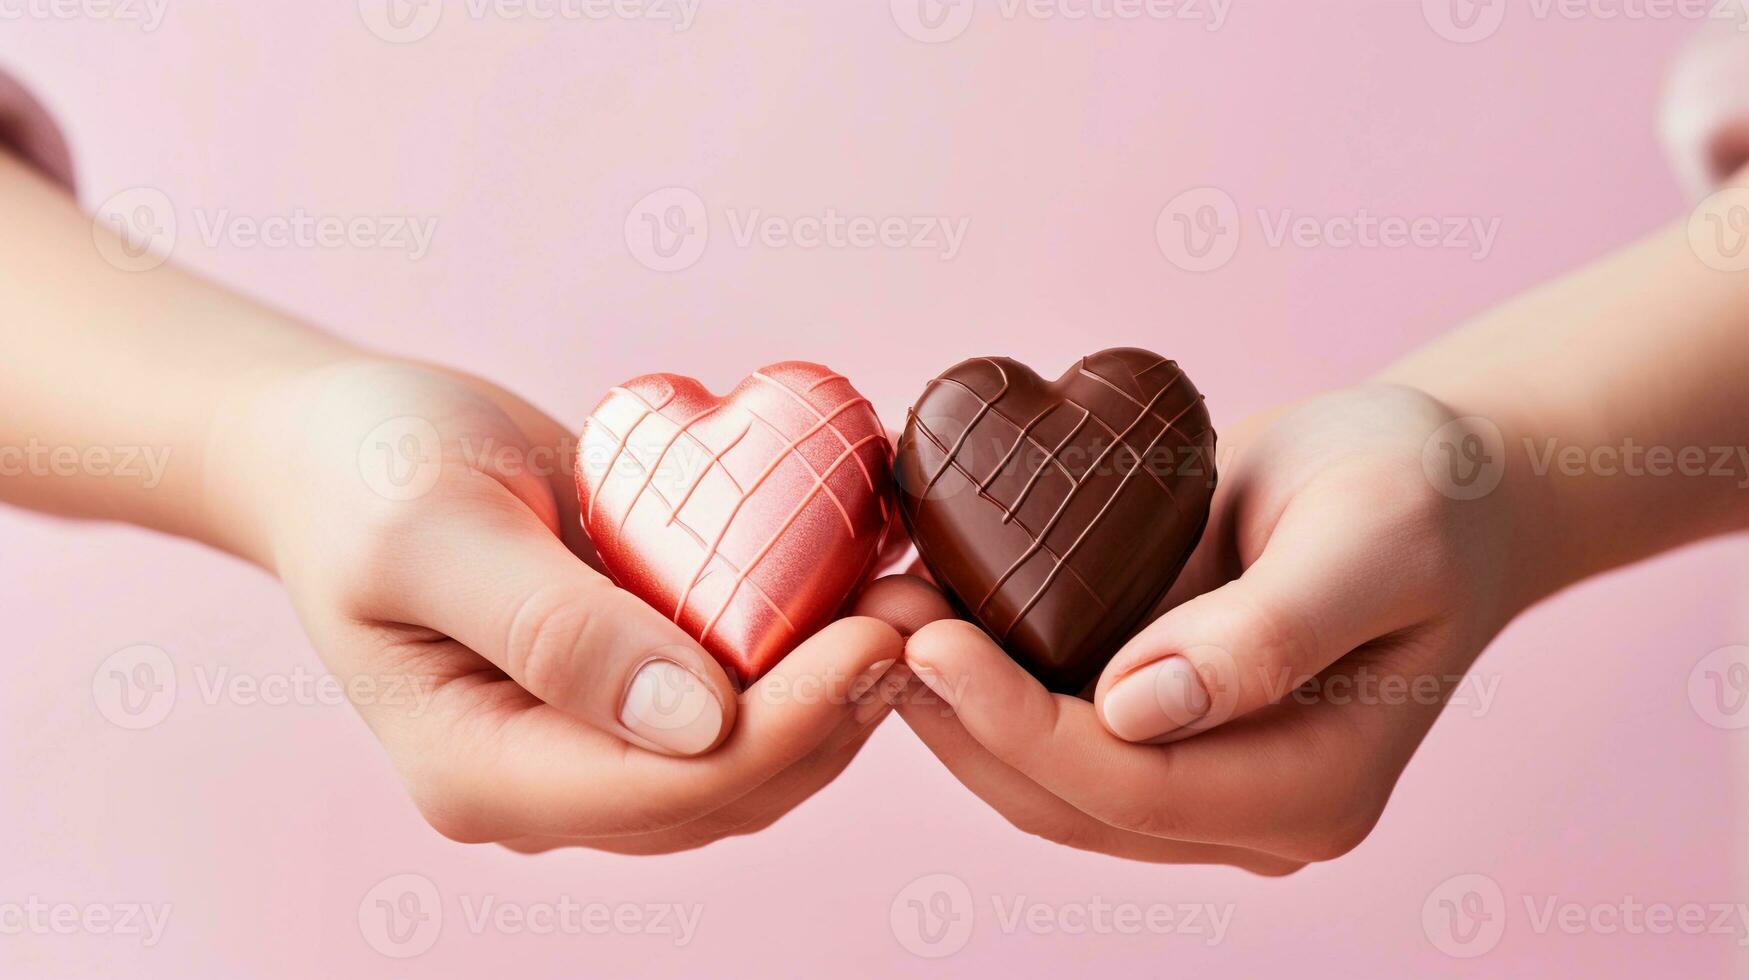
(1331, 554)
(1341, 558)
(561, 710)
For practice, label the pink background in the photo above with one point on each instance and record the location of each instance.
(1590, 779)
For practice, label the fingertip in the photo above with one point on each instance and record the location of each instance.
(1158, 700)
(861, 632)
(846, 659)
(831, 680)
(1154, 689)
(664, 641)
(941, 644)
(948, 654)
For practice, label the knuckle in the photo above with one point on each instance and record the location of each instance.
(1337, 839)
(1344, 827)
(459, 831)
(452, 813)
(1283, 636)
(1326, 818)
(544, 636)
(1280, 869)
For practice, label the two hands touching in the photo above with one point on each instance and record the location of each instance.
(566, 712)
(563, 711)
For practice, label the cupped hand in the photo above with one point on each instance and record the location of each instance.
(1340, 593)
(425, 525)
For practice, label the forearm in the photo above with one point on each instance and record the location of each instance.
(1619, 392)
(113, 383)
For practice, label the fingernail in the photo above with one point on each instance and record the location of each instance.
(934, 681)
(870, 676)
(1156, 700)
(668, 705)
(880, 693)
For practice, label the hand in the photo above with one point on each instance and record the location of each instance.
(1332, 567)
(420, 521)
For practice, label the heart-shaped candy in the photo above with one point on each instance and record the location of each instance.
(1056, 514)
(749, 519)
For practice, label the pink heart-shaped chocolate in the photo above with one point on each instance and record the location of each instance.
(748, 519)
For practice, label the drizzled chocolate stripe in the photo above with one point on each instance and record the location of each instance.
(1024, 500)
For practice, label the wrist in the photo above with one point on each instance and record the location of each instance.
(1496, 456)
(1500, 511)
(1545, 551)
(252, 423)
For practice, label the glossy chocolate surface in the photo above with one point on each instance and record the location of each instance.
(747, 518)
(1056, 514)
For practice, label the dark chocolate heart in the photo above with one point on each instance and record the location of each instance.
(1056, 514)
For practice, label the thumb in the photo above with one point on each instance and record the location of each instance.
(1320, 589)
(500, 582)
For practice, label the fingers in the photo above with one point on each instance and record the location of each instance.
(1304, 794)
(1036, 811)
(750, 814)
(807, 696)
(496, 579)
(904, 602)
(490, 771)
(1323, 586)
(909, 604)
